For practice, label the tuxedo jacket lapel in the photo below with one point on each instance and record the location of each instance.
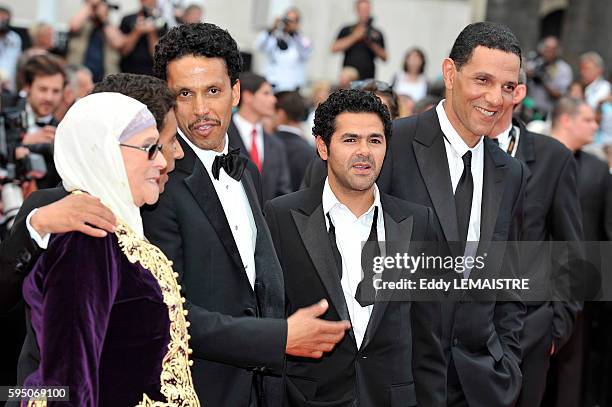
(430, 154)
(311, 226)
(492, 189)
(204, 193)
(398, 234)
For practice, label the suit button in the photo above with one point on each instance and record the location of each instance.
(364, 357)
(250, 312)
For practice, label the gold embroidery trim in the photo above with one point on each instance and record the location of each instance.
(176, 382)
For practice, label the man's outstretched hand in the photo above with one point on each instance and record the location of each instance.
(309, 336)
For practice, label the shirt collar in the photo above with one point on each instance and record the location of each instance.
(206, 156)
(453, 138)
(289, 129)
(330, 201)
(245, 126)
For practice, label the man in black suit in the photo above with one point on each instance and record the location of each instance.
(393, 355)
(441, 159)
(209, 223)
(49, 211)
(246, 132)
(290, 109)
(575, 372)
(551, 213)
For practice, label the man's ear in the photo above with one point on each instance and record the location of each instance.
(322, 148)
(519, 94)
(449, 71)
(236, 93)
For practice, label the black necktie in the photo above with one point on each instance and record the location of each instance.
(233, 164)
(463, 197)
(332, 240)
(366, 293)
(511, 140)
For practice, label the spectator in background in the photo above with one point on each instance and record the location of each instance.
(411, 80)
(93, 40)
(548, 75)
(361, 42)
(575, 90)
(287, 52)
(45, 79)
(142, 31)
(79, 83)
(192, 14)
(10, 49)
(245, 131)
(596, 88)
(290, 111)
(320, 92)
(42, 35)
(347, 75)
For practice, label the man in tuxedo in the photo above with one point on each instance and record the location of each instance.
(246, 132)
(209, 223)
(551, 213)
(393, 355)
(575, 372)
(441, 159)
(49, 211)
(290, 109)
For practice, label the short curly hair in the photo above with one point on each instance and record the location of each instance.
(153, 92)
(200, 40)
(348, 101)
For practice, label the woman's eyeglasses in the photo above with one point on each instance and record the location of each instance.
(150, 150)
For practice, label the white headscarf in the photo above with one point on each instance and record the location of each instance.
(87, 153)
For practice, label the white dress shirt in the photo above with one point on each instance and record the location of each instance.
(351, 233)
(245, 128)
(597, 91)
(455, 149)
(235, 205)
(504, 139)
(41, 241)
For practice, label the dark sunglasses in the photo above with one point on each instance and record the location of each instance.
(150, 150)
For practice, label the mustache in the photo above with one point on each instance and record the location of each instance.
(363, 159)
(204, 119)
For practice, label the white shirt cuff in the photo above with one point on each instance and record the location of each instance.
(41, 241)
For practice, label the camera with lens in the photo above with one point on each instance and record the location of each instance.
(13, 172)
(155, 17)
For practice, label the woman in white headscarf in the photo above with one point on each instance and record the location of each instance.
(107, 312)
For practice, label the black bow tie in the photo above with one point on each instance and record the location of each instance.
(233, 164)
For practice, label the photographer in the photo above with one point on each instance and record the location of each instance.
(361, 42)
(10, 49)
(549, 76)
(45, 79)
(287, 52)
(142, 30)
(94, 42)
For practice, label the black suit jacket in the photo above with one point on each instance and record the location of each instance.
(400, 361)
(482, 337)
(595, 189)
(299, 155)
(236, 332)
(314, 173)
(18, 252)
(275, 174)
(551, 213)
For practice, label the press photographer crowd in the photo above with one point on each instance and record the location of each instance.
(232, 239)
